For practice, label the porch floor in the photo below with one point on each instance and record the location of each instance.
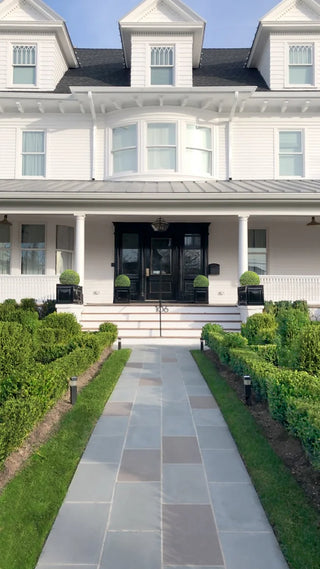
(161, 484)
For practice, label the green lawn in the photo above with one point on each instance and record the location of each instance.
(30, 502)
(295, 521)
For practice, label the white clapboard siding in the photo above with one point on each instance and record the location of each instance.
(264, 62)
(50, 62)
(140, 58)
(253, 138)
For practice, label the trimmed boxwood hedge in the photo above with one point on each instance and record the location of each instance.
(29, 391)
(293, 396)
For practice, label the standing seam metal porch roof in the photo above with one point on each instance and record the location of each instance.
(207, 188)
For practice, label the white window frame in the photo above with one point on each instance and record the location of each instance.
(288, 65)
(301, 153)
(63, 249)
(150, 146)
(124, 148)
(199, 148)
(8, 249)
(166, 66)
(251, 249)
(44, 153)
(23, 86)
(36, 249)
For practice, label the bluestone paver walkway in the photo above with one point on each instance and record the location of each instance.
(161, 484)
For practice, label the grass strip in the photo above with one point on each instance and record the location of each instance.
(30, 502)
(295, 521)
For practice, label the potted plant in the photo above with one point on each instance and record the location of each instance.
(69, 291)
(251, 291)
(200, 288)
(122, 288)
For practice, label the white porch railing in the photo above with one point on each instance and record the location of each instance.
(40, 287)
(292, 287)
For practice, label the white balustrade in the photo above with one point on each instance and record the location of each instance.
(292, 287)
(40, 287)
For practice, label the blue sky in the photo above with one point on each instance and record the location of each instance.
(94, 23)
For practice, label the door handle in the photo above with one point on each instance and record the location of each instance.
(147, 272)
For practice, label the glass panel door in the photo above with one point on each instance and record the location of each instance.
(161, 280)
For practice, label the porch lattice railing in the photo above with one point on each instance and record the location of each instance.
(40, 287)
(292, 287)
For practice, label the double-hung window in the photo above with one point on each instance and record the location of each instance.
(199, 150)
(290, 153)
(124, 149)
(161, 144)
(64, 248)
(33, 153)
(162, 65)
(24, 64)
(33, 254)
(301, 68)
(257, 251)
(5, 249)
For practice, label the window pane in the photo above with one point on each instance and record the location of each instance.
(130, 253)
(291, 165)
(33, 237)
(4, 236)
(33, 165)
(63, 261)
(124, 137)
(33, 142)
(290, 141)
(125, 161)
(5, 255)
(24, 54)
(162, 159)
(65, 237)
(198, 137)
(301, 75)
(300, 54)
(24, 75)
(257, 238)
(257, 263)
(198, 161)
(33, 262)
(161, 256)
(161, 134)
(162, 76)
(162, 56)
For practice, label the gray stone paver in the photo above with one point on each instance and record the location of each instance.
(161, 484)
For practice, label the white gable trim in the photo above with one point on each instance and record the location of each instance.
(272, 21)
(186, 21)
(47, 13)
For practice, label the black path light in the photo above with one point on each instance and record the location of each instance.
(247, 389)
(73, 389)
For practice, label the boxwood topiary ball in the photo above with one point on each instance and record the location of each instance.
(201, 280)
(122, 280)
(249, 278)
(69, 277)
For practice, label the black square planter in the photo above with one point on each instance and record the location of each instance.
(69, 294)
(250, 294)
(200, 294)
(122, 294)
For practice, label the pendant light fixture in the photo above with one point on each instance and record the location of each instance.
(313, 221)
(160, 225)
(5, 221)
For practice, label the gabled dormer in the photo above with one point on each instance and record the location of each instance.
(162, 42)
(286, 48)
(35, 47)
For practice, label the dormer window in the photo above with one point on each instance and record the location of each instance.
(301, 64)
(24, 65)
(162, 65)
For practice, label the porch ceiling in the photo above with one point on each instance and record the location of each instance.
(222, 197)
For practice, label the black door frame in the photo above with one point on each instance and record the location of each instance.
(176, 231)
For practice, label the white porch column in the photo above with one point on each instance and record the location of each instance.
(243, 244)
(79, 246)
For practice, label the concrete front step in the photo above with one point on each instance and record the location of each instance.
(181, 321)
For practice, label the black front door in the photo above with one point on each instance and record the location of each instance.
(161, 265)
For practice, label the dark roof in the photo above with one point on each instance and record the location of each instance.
(105, 68)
